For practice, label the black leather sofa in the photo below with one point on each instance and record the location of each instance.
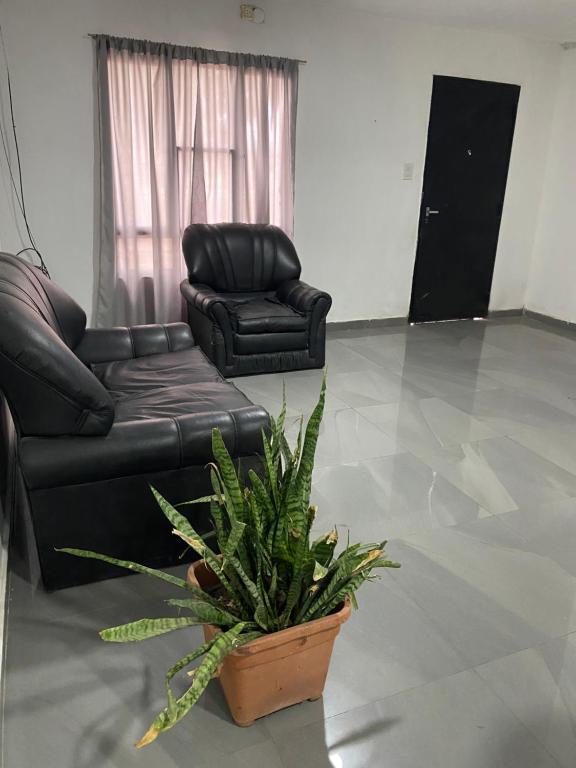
(247, 307)
(97, 415)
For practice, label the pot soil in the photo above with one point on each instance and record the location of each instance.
(277, 670)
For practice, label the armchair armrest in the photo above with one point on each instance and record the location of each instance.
(105, 345)
(302, 296)
(204, 298)
(209, 317)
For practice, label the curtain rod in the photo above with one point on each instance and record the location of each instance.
(92, 35)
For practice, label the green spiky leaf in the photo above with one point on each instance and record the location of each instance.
(144, 629)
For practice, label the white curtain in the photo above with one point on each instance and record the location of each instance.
(185, 135)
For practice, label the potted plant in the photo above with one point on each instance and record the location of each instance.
(271, 601)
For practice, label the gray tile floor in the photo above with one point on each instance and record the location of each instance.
(456, 441)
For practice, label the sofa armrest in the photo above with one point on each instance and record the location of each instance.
(105, 345)
(302, 296)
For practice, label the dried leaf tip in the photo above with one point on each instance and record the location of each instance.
(150, 736)
(368, 559)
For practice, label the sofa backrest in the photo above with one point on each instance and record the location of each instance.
(239, 257)
(49, 390)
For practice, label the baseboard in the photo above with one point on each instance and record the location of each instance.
(350, 325)
(384, 322)
(494, 314)
(555, 322)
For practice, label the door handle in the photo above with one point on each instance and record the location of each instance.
(430, 212)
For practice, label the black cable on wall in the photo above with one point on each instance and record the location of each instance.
(17, 187)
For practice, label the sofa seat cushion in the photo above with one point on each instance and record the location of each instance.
(161, 429)
(175, 402)
(127, 377)
(265, 315)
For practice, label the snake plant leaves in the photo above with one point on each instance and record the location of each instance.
(128, 564)
(181, 664)
(271, 573)
(222, 645)
(145, 628)
(322, 549)
(271, 470)
(319, 571)
(206, 613)
(228, 477)
(178, 520)
(200, 500)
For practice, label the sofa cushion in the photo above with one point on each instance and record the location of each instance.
(161, 429)
(141, 374)
(265, 315)
(49, 390)
(174, 402)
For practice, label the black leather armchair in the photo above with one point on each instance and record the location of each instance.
(247, 307)
(96, 415)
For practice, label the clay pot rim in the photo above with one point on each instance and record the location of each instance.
(282, 636)
(297, 632)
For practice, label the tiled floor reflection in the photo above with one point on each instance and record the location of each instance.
(457, 442)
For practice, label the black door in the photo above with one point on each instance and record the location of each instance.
(469, 142)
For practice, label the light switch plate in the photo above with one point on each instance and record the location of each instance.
(247, 12)
(407, 171)
(252, 13)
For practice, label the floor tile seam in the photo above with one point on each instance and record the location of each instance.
(356, 410)
(369, 423)
(439, 629)
(407, 450)
(498, 518)
(366, 356)
(440, 527)
(410, 689)
(540, 456)
(514, 389)
(360, 461)
(445, 477)
(533, 647)
(499, 547)
(441, 471)
(500, 436)
(511, 712)
(447, 445)
(373, 702)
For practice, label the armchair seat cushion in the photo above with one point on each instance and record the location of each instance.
(170, 369)
(265, 315)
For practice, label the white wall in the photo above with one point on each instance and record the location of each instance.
(363, 111)
(552, 287)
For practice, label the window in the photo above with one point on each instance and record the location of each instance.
(187, 135)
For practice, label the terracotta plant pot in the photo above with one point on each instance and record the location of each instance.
(277, 670)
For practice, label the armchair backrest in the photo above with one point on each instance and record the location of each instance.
(239, 257)
(49, 390)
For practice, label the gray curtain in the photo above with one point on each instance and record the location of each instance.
(183, 135)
